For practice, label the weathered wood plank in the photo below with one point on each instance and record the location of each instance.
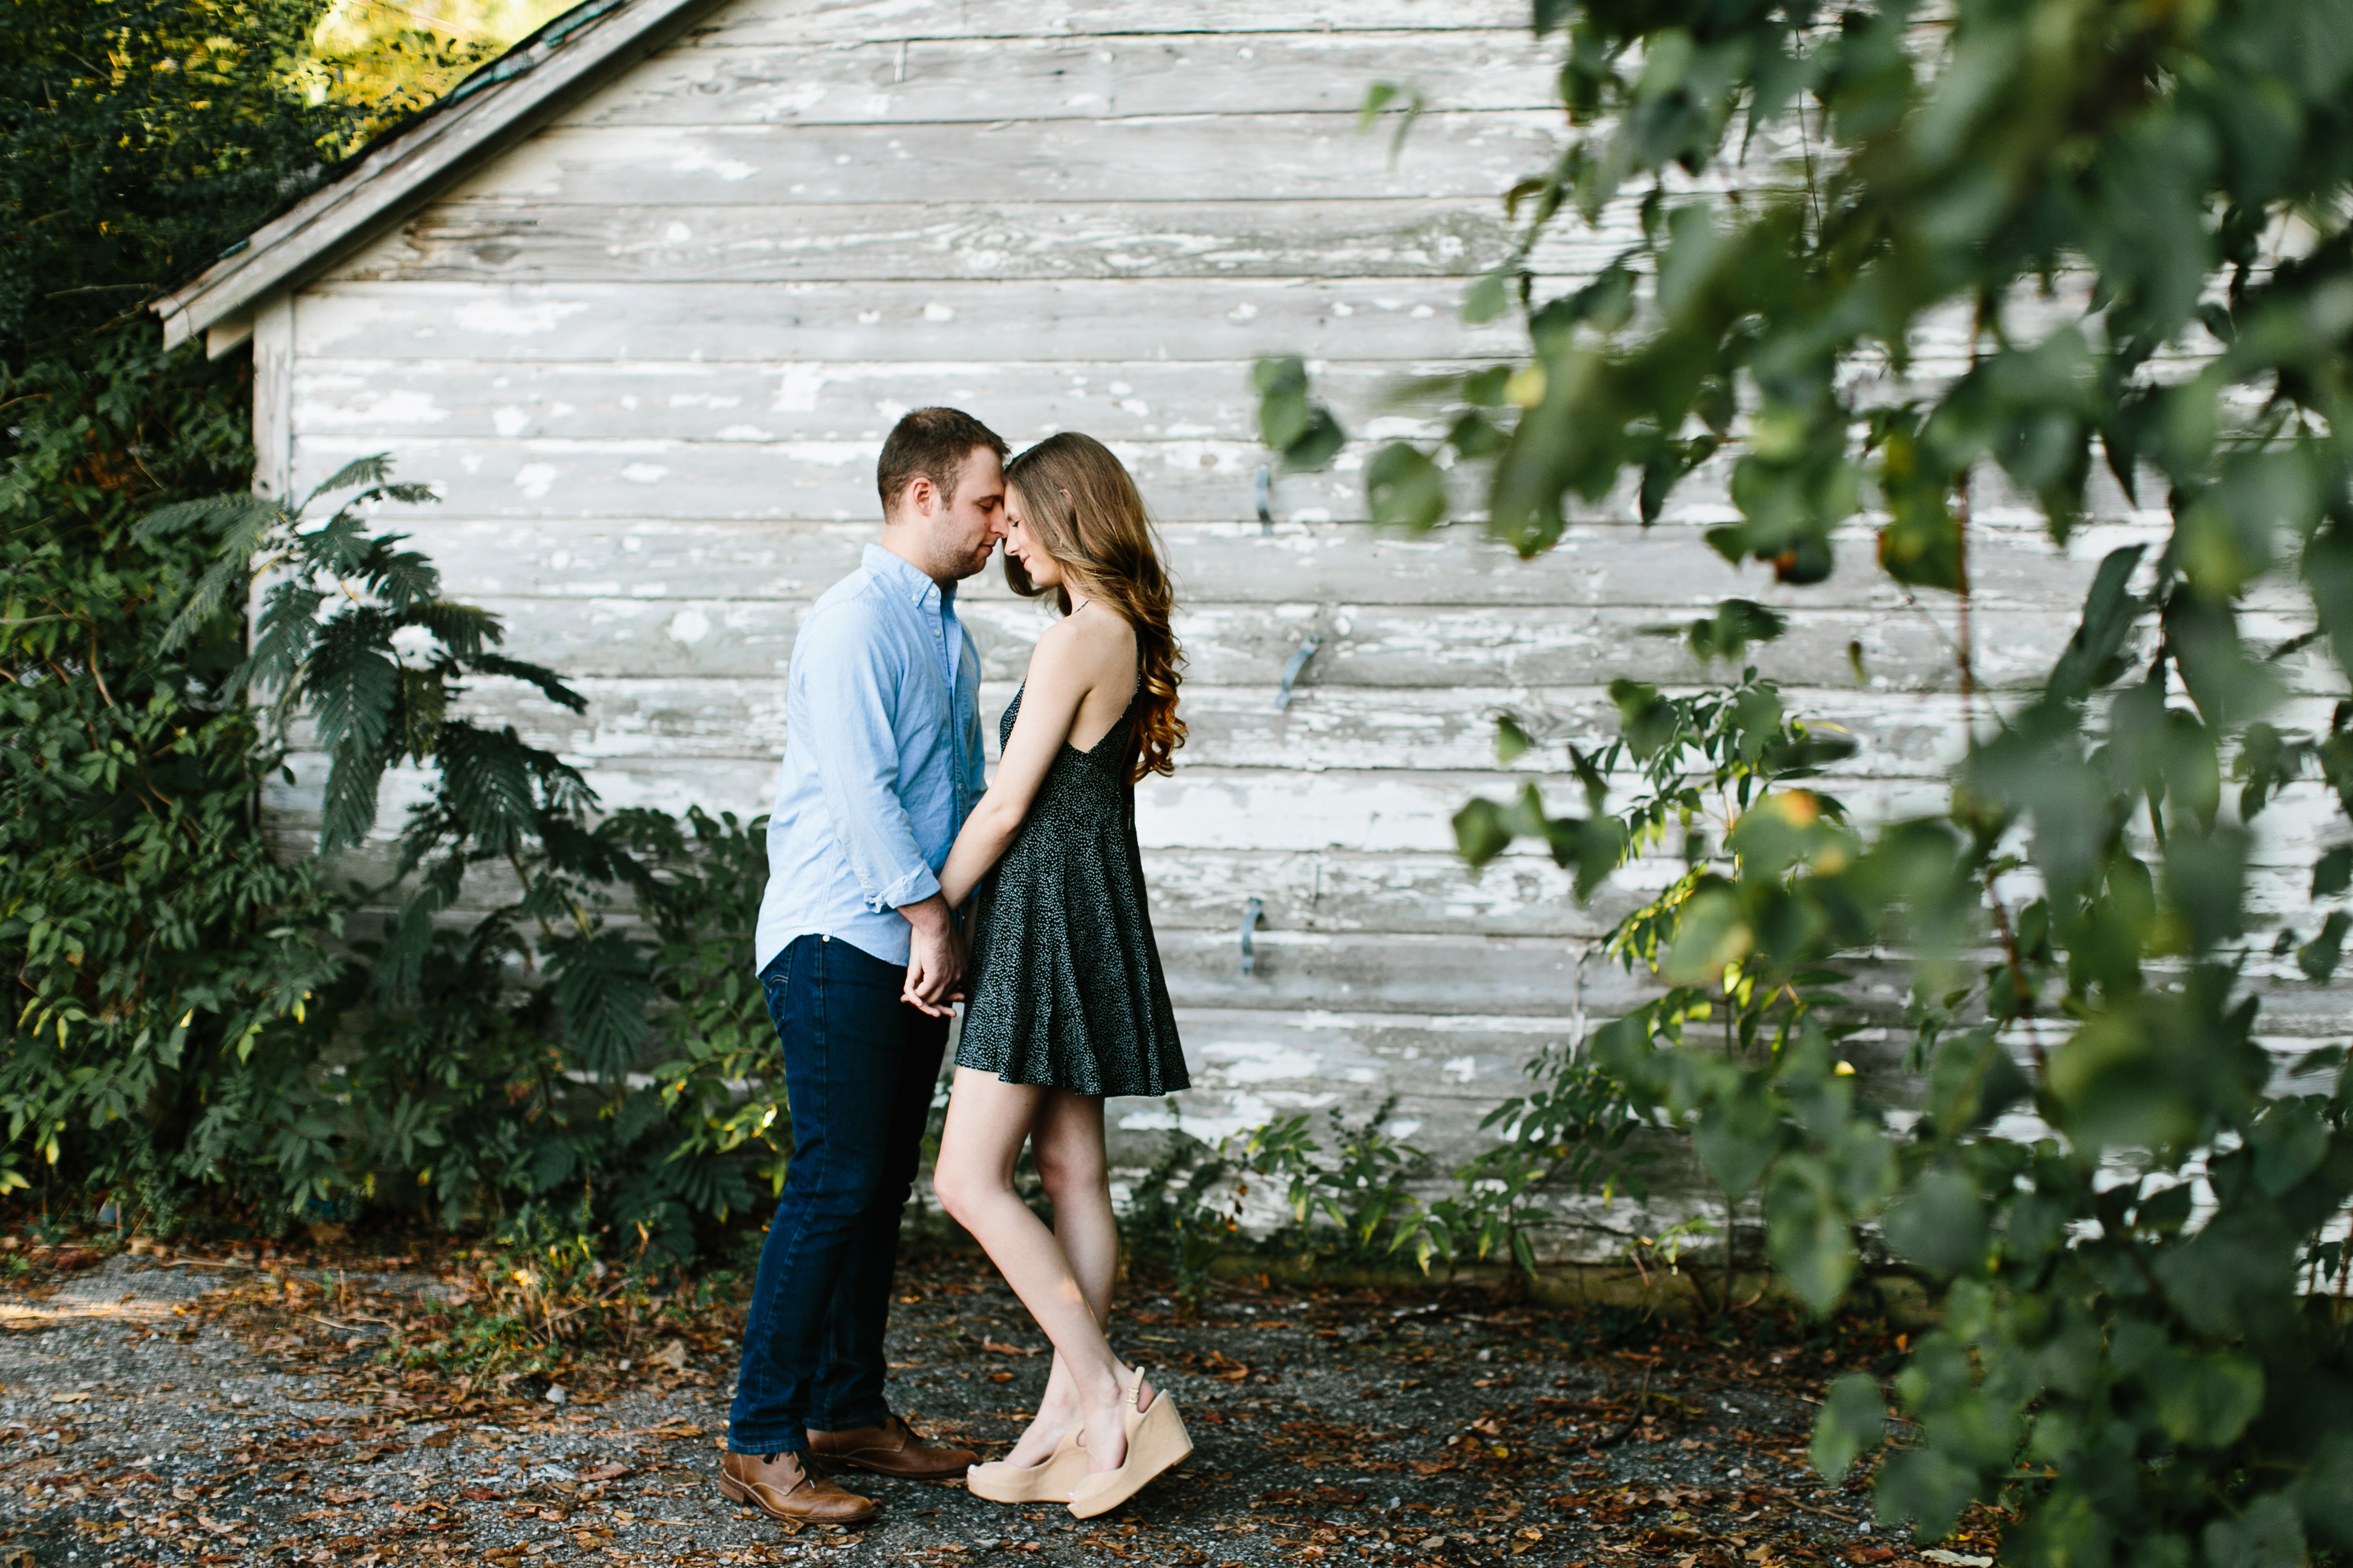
(274, 397)
(1341, 892)
(390, 400)
(713, 80)
(557, 477)
(545, 242)
(1218, 319)
(862, 21)
(1183, 477)
(1195, 157)
(1223, 809)
(1596, 563)
(1900, 735)
(1375, 645)
(1250, 1066)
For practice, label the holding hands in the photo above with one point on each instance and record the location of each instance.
(935, 958)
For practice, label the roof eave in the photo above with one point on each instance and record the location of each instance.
(391, 179)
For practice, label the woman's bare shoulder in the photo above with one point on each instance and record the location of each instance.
(1092, 643)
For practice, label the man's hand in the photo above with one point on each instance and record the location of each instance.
(935, 958)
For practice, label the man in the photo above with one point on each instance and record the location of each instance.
(883, 761)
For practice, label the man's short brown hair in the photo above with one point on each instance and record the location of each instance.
(931, 444)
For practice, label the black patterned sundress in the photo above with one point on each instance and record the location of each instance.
(1066, 989)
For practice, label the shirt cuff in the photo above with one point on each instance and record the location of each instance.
(911, 889)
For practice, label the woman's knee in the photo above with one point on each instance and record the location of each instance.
(949, 1187)
(1071, 1172)
(962, 1191)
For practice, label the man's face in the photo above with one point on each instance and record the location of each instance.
(959, 532)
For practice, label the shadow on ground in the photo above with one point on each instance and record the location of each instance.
(184, 1412)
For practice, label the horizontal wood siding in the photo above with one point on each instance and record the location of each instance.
(647, 356)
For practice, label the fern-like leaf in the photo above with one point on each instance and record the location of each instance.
(243, 523)
(227, 512)
(283, 635)
(341, 544)
(354, 776)
(353, 681)
(463, 629)
(551, 684)
(487, 777)
(372, 470)
(602, 992)
(406, 578)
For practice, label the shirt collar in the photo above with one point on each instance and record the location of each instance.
(903, 575)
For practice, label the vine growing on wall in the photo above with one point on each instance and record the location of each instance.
(2135, 220)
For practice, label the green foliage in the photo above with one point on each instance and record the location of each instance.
(550, 1286)
(495, 1044)
(151, 933)
(1347, 1205)
(200, 1020)
(701, 903)
(2125, 1218)
(387, 60)
(137, 139)
(1301, 429)
(152, 936)
(1186, 1211)
(193, 1019)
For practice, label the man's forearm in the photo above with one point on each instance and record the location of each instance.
(931, 916)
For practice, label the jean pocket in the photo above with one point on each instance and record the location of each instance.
(776, 990)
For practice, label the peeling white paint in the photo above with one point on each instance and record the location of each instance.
(1258, 1061)
(509, 317)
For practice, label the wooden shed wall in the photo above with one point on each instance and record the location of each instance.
(649, 354)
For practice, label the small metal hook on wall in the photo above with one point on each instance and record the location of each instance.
(1251, 916)
(1291, 668)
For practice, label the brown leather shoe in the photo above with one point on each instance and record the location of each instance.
(892, 1448)
(782, 1486)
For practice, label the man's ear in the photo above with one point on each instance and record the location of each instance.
(920, 499)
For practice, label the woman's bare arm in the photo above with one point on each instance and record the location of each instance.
(1066, 664)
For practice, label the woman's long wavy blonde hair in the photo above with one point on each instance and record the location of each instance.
(1078, 501)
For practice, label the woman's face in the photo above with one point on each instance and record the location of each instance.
(1025, 546)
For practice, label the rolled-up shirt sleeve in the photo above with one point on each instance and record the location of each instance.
(840, 701)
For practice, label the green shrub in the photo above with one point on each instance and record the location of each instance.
(202, 1025)
(2136, 217)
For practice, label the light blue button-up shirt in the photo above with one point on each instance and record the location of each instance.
(883, 760)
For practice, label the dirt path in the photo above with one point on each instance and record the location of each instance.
(174, 1415)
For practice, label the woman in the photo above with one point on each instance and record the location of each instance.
(1067, 1001)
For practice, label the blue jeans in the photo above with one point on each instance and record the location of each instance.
(860, 1067)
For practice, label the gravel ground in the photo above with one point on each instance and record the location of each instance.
(187, 1414)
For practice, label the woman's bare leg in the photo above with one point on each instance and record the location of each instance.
(987, 1121)
(1066, 1139)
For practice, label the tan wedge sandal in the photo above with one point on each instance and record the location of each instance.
(1048, 1481)
(1157, 1441)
